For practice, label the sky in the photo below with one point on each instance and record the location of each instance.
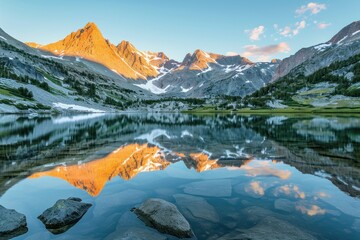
(258, 29)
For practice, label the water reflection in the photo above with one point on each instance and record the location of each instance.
(125, 162)
(304, 171)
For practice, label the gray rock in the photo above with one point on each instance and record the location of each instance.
(65, 212)
(164, 217)
(198, 207)
(210, 188)
(270, 228)
(12, 223)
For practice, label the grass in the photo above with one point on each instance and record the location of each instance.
(5, 92)
(317, 91)
(51, 78)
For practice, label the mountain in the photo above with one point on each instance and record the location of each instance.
(324, 75)
(34, 80)
(203, 74)
(89, 43)
(340, 47)
(199, 75)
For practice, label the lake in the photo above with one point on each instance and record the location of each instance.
(231, 176)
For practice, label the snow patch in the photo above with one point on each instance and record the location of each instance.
(3, 38)
(150, 86)
(150, 137)
(358, 31)
(76, 107)
(322, 47)
(342, 39)
(47, 56)
(185, 89)
(205, 71)
(186, 133)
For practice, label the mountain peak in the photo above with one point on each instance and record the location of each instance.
(89, 43)
(348, 33)
(91, 25)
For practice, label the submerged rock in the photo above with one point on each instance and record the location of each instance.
(12, 223)
(197, 206)
(210, 188)
(284, 205)
(64, 213)
(136, 233)
(270, 228)
(164, 217)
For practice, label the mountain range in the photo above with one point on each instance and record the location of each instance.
(86, 72)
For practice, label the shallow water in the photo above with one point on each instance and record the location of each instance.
(230, 176)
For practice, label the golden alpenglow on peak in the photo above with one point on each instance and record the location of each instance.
(125, 162)
(89, 43)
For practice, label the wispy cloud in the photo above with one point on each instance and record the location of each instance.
(255, 33)
(264, 53)
(312, 7)
(322, 25)
(287, 31)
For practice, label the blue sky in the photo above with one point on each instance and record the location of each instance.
(257, 29)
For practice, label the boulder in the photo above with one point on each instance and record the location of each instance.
(65, 212)
(12, 223)
(164, 217)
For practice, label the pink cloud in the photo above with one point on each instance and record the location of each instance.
(264, 53)
(255, 33)
(323, 25)
(312, 7)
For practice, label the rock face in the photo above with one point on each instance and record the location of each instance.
(340, 47)
(165, 217)
(65, 212)
(203, 74)
(12, 223)
(89, 43)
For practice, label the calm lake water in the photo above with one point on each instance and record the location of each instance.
(228, 175)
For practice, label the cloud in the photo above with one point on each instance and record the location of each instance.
(264, 53)
(256, 188)
(312, 7)
(323, 25)
(255, 33)
(290, 190)
(312, 211)
(288, 31)
(232, 54)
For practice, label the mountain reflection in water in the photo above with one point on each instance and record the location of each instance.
(302, 167)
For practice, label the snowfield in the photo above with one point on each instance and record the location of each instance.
(322, 47)
(77, 118)
(76, 108)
